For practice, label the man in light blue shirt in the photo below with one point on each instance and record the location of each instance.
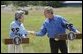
(54, 25)
(17, 29)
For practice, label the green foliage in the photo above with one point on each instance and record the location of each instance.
(5, 2)
(37, 3)
(20, 3)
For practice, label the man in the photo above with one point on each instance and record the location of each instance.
(54, 25)
(17, 29)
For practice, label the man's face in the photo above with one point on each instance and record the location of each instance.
(21, 19)
(47, 14)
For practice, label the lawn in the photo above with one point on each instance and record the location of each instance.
(34, 21)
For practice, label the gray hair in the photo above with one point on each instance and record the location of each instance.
(49, 9)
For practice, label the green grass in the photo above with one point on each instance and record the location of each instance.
(34, 21)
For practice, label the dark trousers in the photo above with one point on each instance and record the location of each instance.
(60, 44)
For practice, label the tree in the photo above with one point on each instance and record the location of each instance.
(53, 3)
(20, 3)
(34, 3)
(6, 2)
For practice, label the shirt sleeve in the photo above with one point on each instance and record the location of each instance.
(11, 31)
(24, 31)
(42, 31)
(67, 25)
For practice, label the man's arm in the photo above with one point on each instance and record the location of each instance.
(24, 31)
(12, 30)
(42, 31)
(69, 26)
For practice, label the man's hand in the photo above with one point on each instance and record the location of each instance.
(31, 32)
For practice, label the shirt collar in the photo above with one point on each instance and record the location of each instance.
(51, 19)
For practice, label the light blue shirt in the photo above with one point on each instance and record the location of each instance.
(54, 26)
(17, 28)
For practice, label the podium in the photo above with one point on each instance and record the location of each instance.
(66, 36)
(10, 41)
(15, 46)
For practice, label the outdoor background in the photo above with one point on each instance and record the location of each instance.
(34, 20)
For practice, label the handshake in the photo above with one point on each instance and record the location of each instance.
(32, 32)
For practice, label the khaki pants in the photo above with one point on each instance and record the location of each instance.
(15, 48)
